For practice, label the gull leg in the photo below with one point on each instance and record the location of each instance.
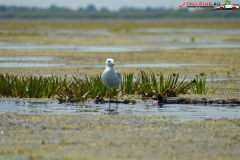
(109, 98)
(117, 99)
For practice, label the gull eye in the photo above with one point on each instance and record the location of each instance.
(109, 61)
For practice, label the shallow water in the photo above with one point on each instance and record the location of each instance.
(100, 49)
(192, 31)
(22, 62)
(26, 65)
(155, 39)
(179, 111)
(27, 58)
(149, 65)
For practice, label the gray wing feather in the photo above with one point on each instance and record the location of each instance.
(119, 76)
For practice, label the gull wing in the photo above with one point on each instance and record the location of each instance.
(119, 76)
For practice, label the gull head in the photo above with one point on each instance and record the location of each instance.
(110, 62)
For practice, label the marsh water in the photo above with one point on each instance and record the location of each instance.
(155, 39)
(152, 38)
(27, 61)
(110, 49)
(176, 112)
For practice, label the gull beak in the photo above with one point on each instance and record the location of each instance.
(113, 63)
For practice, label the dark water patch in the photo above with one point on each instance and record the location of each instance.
(179, 111)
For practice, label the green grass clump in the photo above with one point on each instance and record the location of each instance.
(6, 84)
(80, 89)
(29, 87)
(168, 86)
(128, 86)
(200, 86)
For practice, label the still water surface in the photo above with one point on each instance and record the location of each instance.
(179, 111)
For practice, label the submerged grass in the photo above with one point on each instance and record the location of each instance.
(80, 89)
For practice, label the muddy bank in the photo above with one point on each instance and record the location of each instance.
(180, 100)
(74, 136)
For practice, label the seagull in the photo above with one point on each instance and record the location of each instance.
(110, 77)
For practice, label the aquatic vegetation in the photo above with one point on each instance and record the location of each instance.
(80, 89)
(200, 85)
(29, 87)
(166, 86)
(128, 85)
(6, 84)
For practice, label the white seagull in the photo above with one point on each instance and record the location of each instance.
(110, 77)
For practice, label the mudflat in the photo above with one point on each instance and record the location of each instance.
(72, 136)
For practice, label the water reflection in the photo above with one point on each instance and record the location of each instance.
(180, 112)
